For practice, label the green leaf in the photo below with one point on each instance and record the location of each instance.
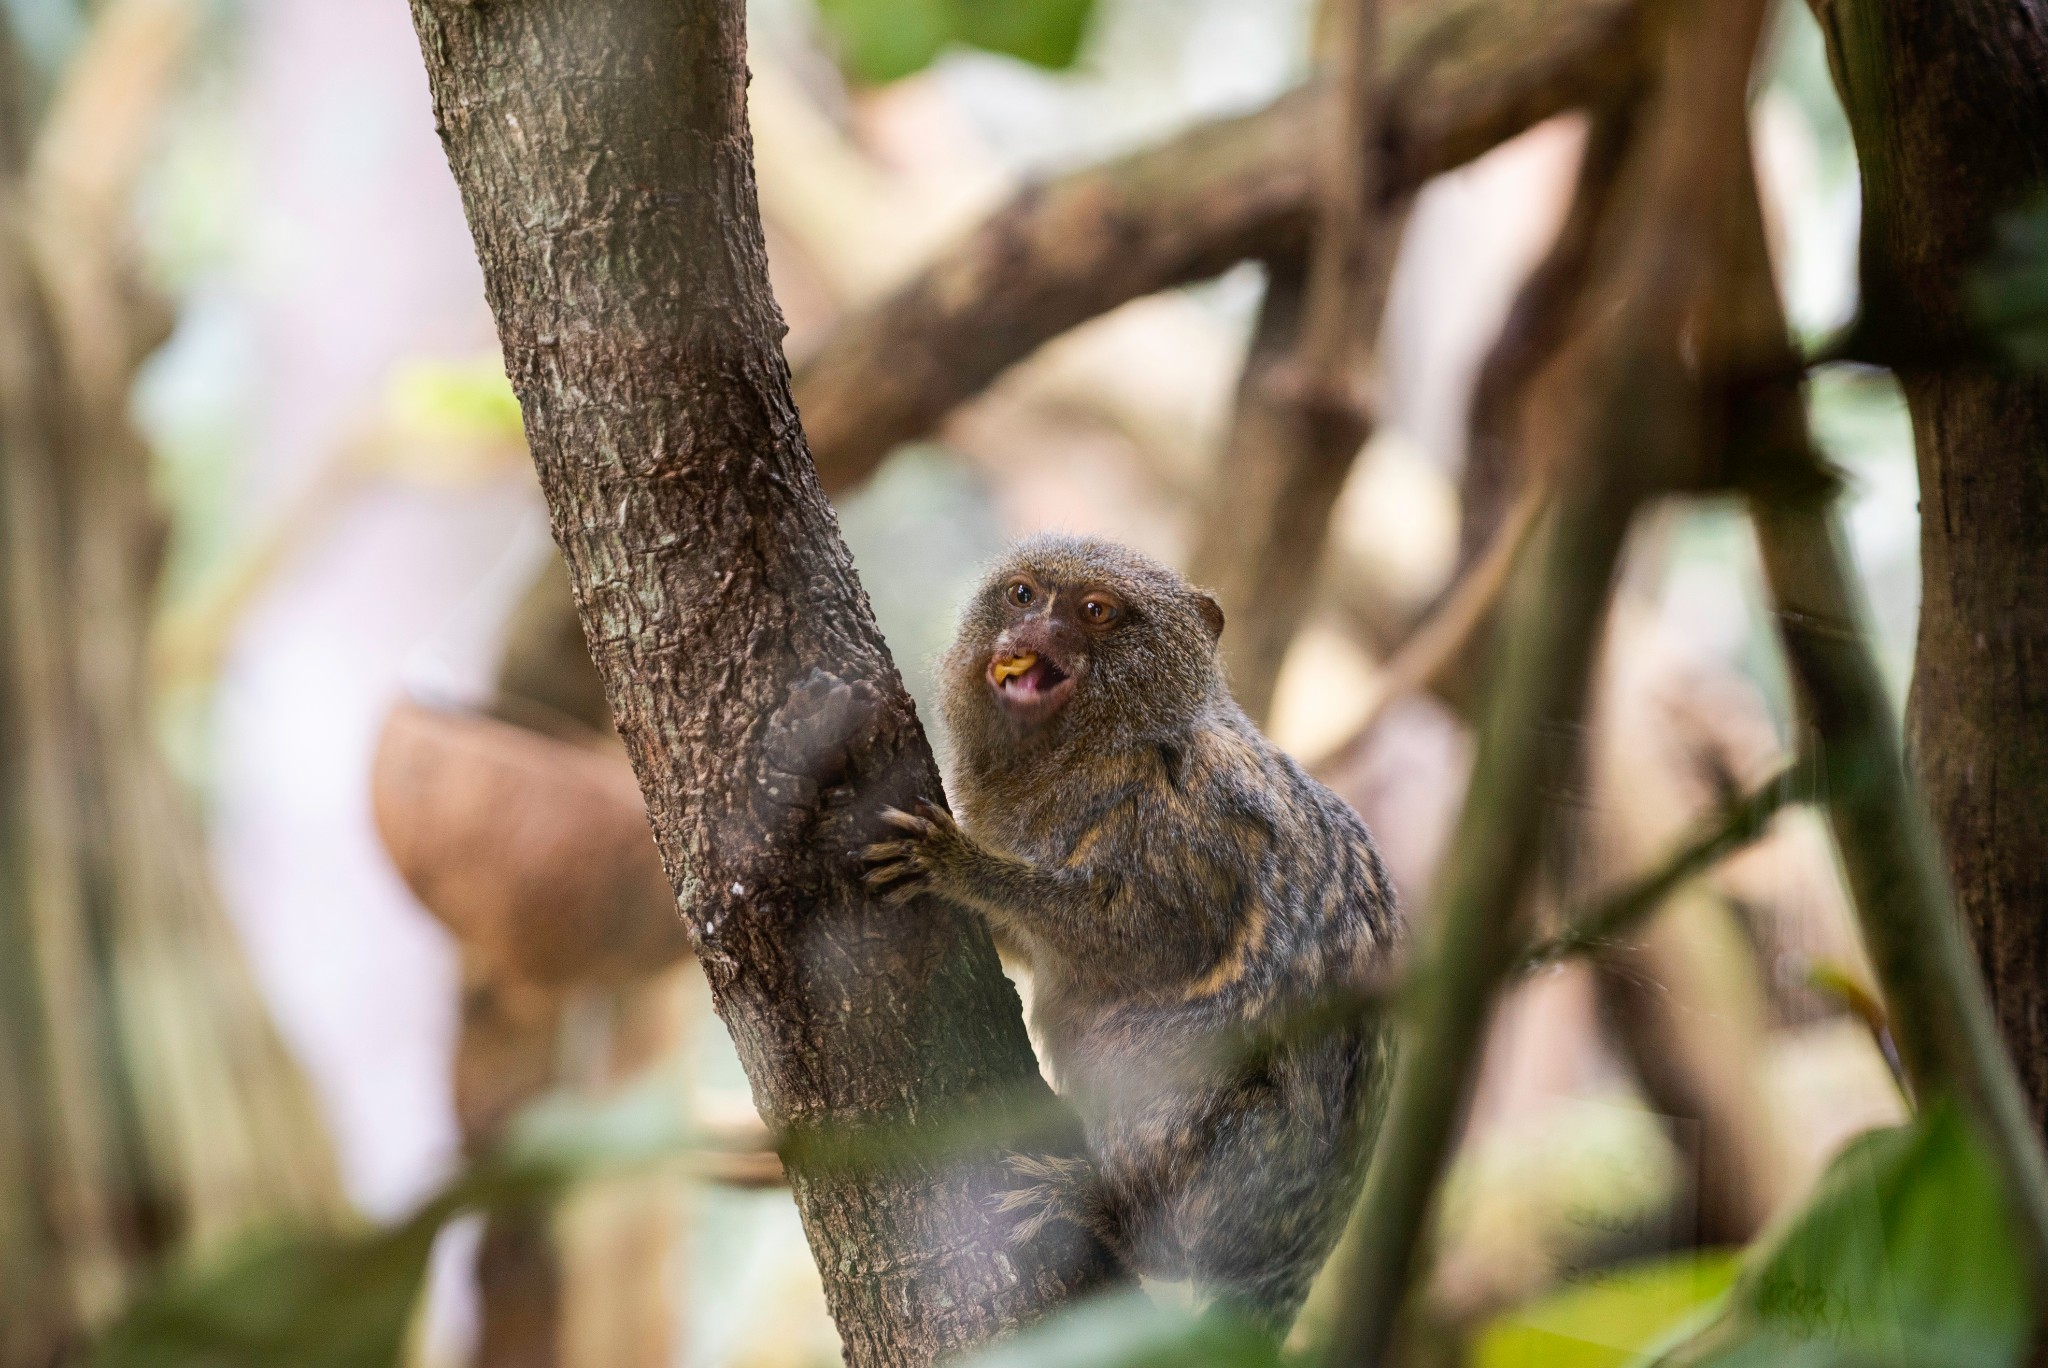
(449, 400)
(1045, 33)
(1130, 1331)
(1904, 1258)
(561, 1139)
(883, 40)
(2009, 290)
(344, 1299)
(1609, 1318)
(284, 1300)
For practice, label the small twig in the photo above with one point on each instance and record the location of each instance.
(1739, 824)
(1449, 632)
(1838, 983)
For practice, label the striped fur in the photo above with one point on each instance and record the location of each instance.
(1175, 882)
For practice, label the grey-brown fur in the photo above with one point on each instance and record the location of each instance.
(1175, 882)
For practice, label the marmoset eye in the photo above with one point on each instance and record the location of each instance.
(1099, 611)
(1022, 594)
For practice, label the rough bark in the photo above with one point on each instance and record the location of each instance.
(605, 167)
(1947, 102)
(1456, 80)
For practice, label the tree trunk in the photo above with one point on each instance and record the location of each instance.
(1948, 100)
(605, 165)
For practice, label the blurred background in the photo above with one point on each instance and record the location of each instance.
(355, 546)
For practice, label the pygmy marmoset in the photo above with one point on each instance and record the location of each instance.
(1176, 883)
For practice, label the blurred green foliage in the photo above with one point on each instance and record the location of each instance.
(2010, 288)
(1129, 1330)
(452, 400)
(883, 40)
(1903, 1258)
(1609, 1318)
(310, 1298)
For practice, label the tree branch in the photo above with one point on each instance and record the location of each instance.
(621, 247)
(1938, 175)
(103, 121)
(1633, 388)
(1941, 1016)
(1457, 79)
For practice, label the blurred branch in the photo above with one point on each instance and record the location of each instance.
(1942, 1019)
(1350, 255)
(1302, 411)
(1549, 637)
(1537, 325)
(1291, 445)
(1633, 392)
(149, 1106)
(1458, 79)
(89, 154)
(1440, 654)
(1450, 633)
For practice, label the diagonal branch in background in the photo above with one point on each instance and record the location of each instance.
(1629, 440)
(1441, 653)
(1615, 915)
(1457, 79)
(1273, 492)
(622, 250)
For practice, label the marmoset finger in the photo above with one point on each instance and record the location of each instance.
(904, 821)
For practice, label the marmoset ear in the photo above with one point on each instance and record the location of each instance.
(1212, 615)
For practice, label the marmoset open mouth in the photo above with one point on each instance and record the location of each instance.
(1028, 685)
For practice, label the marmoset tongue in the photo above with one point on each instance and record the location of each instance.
(1008, 667)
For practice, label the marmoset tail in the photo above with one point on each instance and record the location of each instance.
(1180, 889)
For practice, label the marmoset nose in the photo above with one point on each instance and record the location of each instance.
(1045, 634)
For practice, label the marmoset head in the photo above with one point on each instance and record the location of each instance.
(1074, 634)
